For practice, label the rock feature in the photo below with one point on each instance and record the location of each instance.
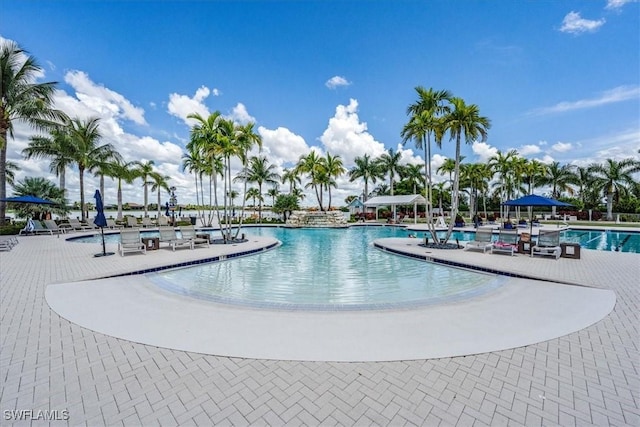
(331, 219)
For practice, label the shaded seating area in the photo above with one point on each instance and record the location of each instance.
(168, 235)
(482, 241)
(189, 232)
(130, 241)
(548, 244)
(507, 242)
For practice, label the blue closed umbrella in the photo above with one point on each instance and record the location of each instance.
(100, 221)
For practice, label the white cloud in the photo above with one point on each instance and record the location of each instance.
(483, 150)
(573, 23)
(561, 147)
(546, 159)
(617, 94)
(101, 99)
(282, 145)
(240, 115)
(216, 92)
(336, 81)
(182, 105)
(347, 137)
(529, 149)
(617, 4)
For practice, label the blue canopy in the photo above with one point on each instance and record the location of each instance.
(535, 200)
(28, 199)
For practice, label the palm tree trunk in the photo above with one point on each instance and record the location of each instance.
(610, 206)
(429, 211)
(146, 197)
(119, 196)
(3, 172)
(260, 203)
(82, 216)
(454, 194)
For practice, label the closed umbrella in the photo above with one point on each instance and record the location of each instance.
(100, 221)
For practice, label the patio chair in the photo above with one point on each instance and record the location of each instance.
(39, 229)
(189, 232)
(482, 240)
(548, 244)
(77, 225)
(168, 235)
(51, 225)
(113, 225)
(146, 222)
(507, 242)
(163, 221)
(132, 221)
(130, 241)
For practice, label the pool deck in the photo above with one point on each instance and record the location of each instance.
(590, 377)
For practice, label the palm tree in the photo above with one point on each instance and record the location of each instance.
(11, 169)
(503, 165)
(477, 176)
(366, 169)
(259, 171)
(102, 167)
(292, 178)
(464, 121)
(333, 167)
(614, 178)
(121, 171)
(533, 172)
(559, 177)
(193, 161)
(159, 183)
(57, 148)
(21, 100)
(85, 149)
(144, 170)
(311, 164)
(253, 193)
(273, 193)
(43, 188)
(448, 167)
(425, 121)
(413, 174)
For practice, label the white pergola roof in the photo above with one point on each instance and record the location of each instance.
(410, 199)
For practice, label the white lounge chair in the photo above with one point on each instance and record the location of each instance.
(113, 225)
(132, 221)
(130, 242)
(8, 242)
(482, 241)
(146, 222)
(189, 232)
(163, 221)
(548, 245)
(168, 235)
(507, 242)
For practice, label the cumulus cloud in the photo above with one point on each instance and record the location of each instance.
(546, 159)
(561, 147)
(617, 94)
(573, 23)
(282, 145)
(529, 149)
(347, 136)
(617, 4)
(240, 114)
(101, 99)
(181, 106)
(483, 150)
(336, 81)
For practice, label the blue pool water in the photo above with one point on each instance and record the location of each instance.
(610, 240)
(326, 269)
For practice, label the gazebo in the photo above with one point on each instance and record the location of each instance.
(393, 201)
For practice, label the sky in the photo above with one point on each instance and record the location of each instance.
(559, 80)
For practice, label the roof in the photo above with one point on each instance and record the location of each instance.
(355, 202)
(408, 199)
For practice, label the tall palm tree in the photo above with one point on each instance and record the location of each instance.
(159, 182)
(463, 122)
(103, 167)
(86, 151)
(11, 169)
(43, 188)
(334, 168)
(533, 173)
(261, 172)
(366, 169)
(143, 170)
(253, 193)
(193, 161)
(425, 121)
(273, 193)
(289, 176)
(614, 178)
(311, 164)
(21, 100)
(502, 164)
(121, 171)
(246, 138)
(56, 147)
(559, 177)
(413, 174)
(477, 176)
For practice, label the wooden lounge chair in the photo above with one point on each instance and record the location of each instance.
(507, 242)
(168, 235)
(51, 225)
(548, 244)
(189, 232)
(482, 241)
(130, 242)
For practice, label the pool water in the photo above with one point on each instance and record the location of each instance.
(326, 269)
(610, 240)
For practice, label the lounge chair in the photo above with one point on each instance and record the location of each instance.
(77, 225)
(130, 242)
(168, 235)
(163, 221)
(482, 240)
(548, 244)
(507, 242)
(112, 224)
(39, 229)
(189, 232)
(51, 225)
(132, 221)
(146, 222)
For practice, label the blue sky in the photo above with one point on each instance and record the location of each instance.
(558, 80)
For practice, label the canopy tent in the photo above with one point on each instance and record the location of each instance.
(393, 201)
(534, 200)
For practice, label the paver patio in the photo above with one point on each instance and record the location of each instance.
(590, 377)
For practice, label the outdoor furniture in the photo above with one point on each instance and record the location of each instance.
(7, 242)
(163, 221)
(39, 229)
(482, 240)
(112, 224)
(548, 244)
(51, 225)
(570, 250)
(524, 244)
(146, 222)
(168, 235)
(189, 232)
(507, 242)
(75, 224)
(130, 242)
(151, 243)
(132, 221)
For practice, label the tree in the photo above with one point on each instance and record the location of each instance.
(43, 188)
(56, 147)
(292, 178)
(273, 193)
(503, 165)
(614, 178)
(366, 169)
(260, 172)
(86, 151)
(144, 170)
(158, 183)
(463, 122)
(311, 164)
(253, 194)
(285, 204)
(11, 169)
(425, 121)
(21, 100)
(334, 168)
(414, 175)
(121, 171)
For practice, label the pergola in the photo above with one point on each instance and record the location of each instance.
(393, 201)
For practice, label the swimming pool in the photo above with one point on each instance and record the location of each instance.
(326, 269)
(603, 240)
